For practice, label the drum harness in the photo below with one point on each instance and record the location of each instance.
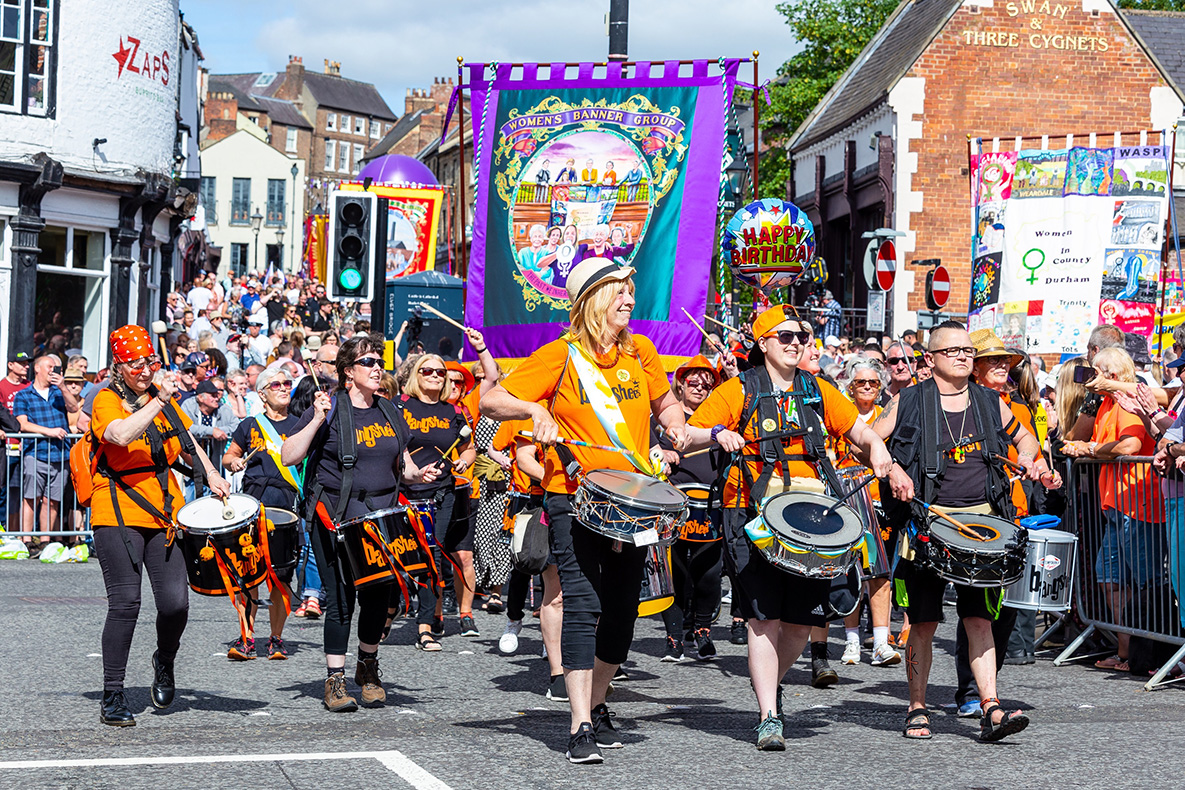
(917, 445)
(160, 467)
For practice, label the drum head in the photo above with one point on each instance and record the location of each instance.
(636, 489)
(982, 534)
(377, 515)
(204, 515)
(698, 494)
(280, 518)
(802, 517)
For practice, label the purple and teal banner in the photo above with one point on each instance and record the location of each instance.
(618, 162)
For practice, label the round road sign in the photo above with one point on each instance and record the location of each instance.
(939, 287)
(886, 265)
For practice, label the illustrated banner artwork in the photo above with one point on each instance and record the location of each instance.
(1066, 239)
(413, 214)
(594, 162)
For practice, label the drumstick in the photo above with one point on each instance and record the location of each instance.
(228, 512)
(431, 309)
(729, 328)
(576, 443)
(704, 332)
(464, 433)
(958, 525)
(709, 448)
(1009, 462)
(848, 496)
(161, 328)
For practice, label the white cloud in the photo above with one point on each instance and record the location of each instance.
(399, 45)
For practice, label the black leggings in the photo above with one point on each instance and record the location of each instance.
(123, 579)
(337, 583)
(695, 568)
(517, 587)
(601, 588)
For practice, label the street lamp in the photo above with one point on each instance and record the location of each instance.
(256, 223)
(280, 244)
(292, 256)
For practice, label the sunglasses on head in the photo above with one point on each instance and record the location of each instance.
(786, 336)
(369, 362)
(426, 371)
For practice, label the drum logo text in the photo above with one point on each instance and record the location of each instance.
(373, 555)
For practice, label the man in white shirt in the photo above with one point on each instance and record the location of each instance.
(199, 295)
(259, 342)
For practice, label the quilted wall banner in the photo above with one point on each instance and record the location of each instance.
(1065, 239)
(594, 161)
(413, 215)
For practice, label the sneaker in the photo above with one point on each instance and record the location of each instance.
(738, 633)
(312, 608)
(822, 675)
(769, 734)
(851, 652)
(241, 651)
(620, 674)
(704, 649)
(885, 656)
(369, 677)
(276, 651)
(508, 642)
(726, 598)
(336, 698)
(437, 628)
(582, 746)
(602, 723)
(557, 691)
(448, 603)
(970, 709)
(674, 652)
(468, 627)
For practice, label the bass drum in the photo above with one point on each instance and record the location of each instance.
(1048, 575)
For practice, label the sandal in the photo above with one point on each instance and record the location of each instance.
(494, 604)
(1012, 723)
(427, 642)
(914, 728)
(1112, 662)
(391, 615)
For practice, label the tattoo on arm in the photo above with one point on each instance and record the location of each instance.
(887, 412)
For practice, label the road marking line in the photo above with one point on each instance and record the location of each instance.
(393, 760)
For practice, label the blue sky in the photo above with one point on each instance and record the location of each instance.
(398, 44)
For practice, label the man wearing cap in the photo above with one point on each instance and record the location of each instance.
(257, 341)
(773, 418)
(250, 297)
(598, 384)
(193, 372)
(41, 408)
(212, 419)
(15, 380)
(831, 355)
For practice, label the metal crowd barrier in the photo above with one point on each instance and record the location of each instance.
(1125, 583)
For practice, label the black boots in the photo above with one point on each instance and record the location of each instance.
(114, 710)
(162, 682)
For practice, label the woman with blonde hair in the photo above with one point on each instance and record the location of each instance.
(561, 388)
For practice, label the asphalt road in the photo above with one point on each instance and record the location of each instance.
(470, 718)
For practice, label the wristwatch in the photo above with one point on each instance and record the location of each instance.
(716, 429)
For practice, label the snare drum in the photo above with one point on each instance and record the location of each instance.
(629, 506)
(658, 585)
(792, 534)
(1048, 574)
(212, 544)
(423, 511)
(876, 562)
(283, 538)
(378, 543)
(703, 519)
(988, 552)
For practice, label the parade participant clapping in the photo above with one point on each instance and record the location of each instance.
(326, 433)
(272, 483)
(138, 434)
(601, 578)
(772, 418)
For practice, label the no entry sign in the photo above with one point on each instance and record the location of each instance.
(886, 265)
(938, 288)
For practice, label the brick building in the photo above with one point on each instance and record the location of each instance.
(419, 126)
(887, 146)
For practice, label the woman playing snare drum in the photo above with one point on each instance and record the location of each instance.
(381, 460)
(135, 443)
(601, 578)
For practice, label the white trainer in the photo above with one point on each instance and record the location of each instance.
(885, 656)
(851, 652)
(508, 642)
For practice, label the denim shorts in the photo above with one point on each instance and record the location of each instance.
(1132, 552)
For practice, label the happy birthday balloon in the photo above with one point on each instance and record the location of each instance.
(769, 244)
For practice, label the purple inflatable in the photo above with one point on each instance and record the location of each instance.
(397, 169)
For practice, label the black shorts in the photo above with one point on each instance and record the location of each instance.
(764, 592)
(919, 591)
(458, 531)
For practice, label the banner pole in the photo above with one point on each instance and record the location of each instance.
(1164, 255)
(461, 257)
(974, 199)
(756, 128)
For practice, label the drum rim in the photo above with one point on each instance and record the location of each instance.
(633, 501)
(986, 547)
(851, 520)
(268, 515)
(371, 516)
(245, 519)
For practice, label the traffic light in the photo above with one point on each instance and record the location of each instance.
(352, 248)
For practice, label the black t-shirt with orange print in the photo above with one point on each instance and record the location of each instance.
(380, 447)
(432, 429)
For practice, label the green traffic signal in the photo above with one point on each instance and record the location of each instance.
(350, 279)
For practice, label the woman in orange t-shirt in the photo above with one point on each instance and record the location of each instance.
(136, 444)
(601, 578)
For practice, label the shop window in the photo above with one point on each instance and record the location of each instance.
(28, 65)
(71, 297)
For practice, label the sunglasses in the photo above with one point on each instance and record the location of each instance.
(278, 385)
(369, 362)
(895, 361)
(786, 337)
(137, 367)
(874, 383)
(438, 372)
(955, 351)
(698, 385)
(456, 380)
